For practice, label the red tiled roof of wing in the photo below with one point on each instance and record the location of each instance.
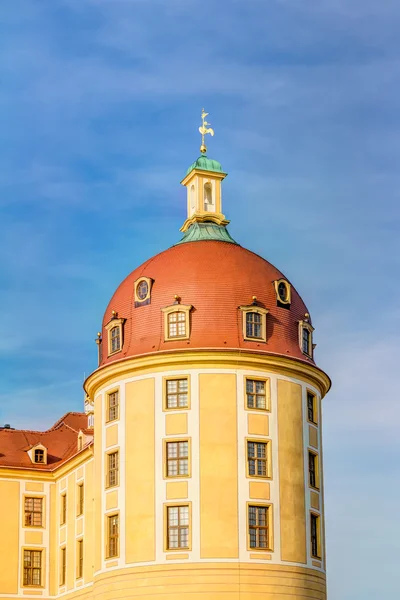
(60, 441)
(215, 278)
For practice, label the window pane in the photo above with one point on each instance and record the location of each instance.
(261, 450)
(177, 390)
(115, 339)
(172, 468)
(184, 515)
(183, 467)
(310, 407)
(260, 387)
(177, 324)
(256, 394)
(172, 449)
(306, 340)
(262, 516)
(183, 448)
(251, 449)
(184, 537)
(262, 468)
(252, 515)
(262, 539)
(173, 538)
(173, 515)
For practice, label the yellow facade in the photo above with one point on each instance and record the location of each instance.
(219, 561)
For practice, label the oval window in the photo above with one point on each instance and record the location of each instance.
(142, 290)
(282, 291)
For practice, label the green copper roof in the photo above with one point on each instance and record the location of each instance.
(206, 164)
(199, 232)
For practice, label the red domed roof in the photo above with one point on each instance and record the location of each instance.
(215, 278)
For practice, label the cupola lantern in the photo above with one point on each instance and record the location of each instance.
(203, 183)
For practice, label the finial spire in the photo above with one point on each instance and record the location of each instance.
(204, 130)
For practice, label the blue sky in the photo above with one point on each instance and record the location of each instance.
(100, 103)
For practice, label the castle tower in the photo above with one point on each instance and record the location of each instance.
(208, 448)
(195, 470)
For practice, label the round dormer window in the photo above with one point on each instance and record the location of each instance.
(142, 290)
(283, 291)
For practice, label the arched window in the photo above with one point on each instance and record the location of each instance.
(253, 325)
(209, 205)
(115, 337)
(177, 324)
(192, 199)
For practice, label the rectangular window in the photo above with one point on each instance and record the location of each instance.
(63, 509)
(112, 536)
(257, 459)
(306, 341)
(177, 393)
(115, 337)
(254, 325)
(177, 324)
(112, 408)
(256, 394)
(39, 456)
(63, 566)
(313, 469)
(79, 570)
(315, 544)
(33, 567)
(258, 527)
(177, 527)
(112, 469)
(311, 409)
(178, 459)
(81, 499)
(33, 512)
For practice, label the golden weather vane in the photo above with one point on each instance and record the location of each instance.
(204, 130)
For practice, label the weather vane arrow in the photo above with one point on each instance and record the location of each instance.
(204, 130)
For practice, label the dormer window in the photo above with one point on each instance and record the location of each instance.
(283, 293)
(176, 322)
(305, 336)
(142, 291)
(39, 456)
(115, 338)
(306, 341)
(253, 325)
(115, 334)
(254, 322)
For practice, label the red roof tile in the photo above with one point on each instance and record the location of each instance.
(60, 441)
(216, 278)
